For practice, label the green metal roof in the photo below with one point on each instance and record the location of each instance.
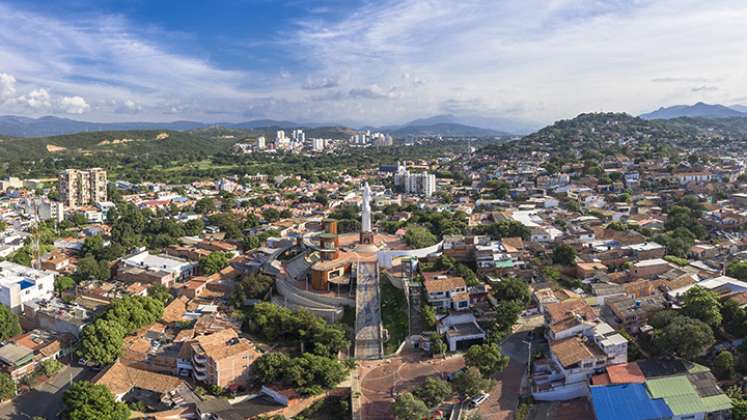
(670, 386)
(697, 368)
(716, 403)
(504, 264)
(685, 404)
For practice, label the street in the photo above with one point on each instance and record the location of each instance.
(46, 400)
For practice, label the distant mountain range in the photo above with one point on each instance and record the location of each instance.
(445, 129)
(54, 126)
(442, 125)
(699, 110)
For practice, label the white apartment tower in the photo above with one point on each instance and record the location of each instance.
(419, 183)
(82, 187)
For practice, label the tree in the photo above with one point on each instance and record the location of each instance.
(62, 283)
(669, 339)
(433, 391)
(513, 289)
(723, 365)
(194, 227)
(89, 268)
(51, 366)
(737, 269)
(270, 367)
(251, 286)
(438, 347)
(87, 401)
(470, 382)
(9, 324)
(506, 315)
(7, 387)
(160, 293)
(101, 341)
(734, 318)
(488, 358)
(214, 262)
(407, 407)
(205, 205)
(702, 304)
(419, 237)
(564, 254)
(134, 312)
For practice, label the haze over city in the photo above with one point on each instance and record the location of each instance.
(367, 63)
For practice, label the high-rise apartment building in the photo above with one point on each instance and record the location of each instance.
(419, 183)
(81, 187)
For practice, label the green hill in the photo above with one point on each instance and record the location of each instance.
(172, 144)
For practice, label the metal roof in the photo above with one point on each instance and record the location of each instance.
(627, 402)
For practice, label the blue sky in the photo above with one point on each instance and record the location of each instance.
(366, 61)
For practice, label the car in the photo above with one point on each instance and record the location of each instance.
(478, 399)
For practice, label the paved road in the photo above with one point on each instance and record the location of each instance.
(368, 340)
(46, 400)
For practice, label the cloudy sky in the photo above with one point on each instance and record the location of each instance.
(367, 61)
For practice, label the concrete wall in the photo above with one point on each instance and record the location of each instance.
(386, 256)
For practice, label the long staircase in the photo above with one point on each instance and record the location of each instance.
(369, 343)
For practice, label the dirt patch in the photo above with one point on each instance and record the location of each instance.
(162, 136)
(51, 148)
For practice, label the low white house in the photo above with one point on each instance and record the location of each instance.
(20, 284)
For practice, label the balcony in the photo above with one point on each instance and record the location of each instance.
(199, 359)
(200, 376)
(200, 368)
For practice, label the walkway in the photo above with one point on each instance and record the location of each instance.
(368, 330)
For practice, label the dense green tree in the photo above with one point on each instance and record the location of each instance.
(669, 340)
(407, 407)
(512, 289)
(63, 283)
(270, 367)
(134, 312)
(275, 323)
(101, 341)
(87, 401)
(564, 254)
(702, 304)
(205, 205)
(506, 315)
(419, 237)
(91, 269)
(737, 269)
(487, 357)
(438, 346)
(9, 324)
(734, 318)
(251, 286)
(160, 293)
(214, 262)
(194, 227)
(505, 229)
(470, 382)
(7, 387)
(723, 365)
(433, 391)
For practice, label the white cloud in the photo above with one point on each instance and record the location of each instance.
(395, 60)
(7, 86)
(38, 99)
(538, 59)
(74, 105)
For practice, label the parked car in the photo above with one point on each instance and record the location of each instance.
(478, 399)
